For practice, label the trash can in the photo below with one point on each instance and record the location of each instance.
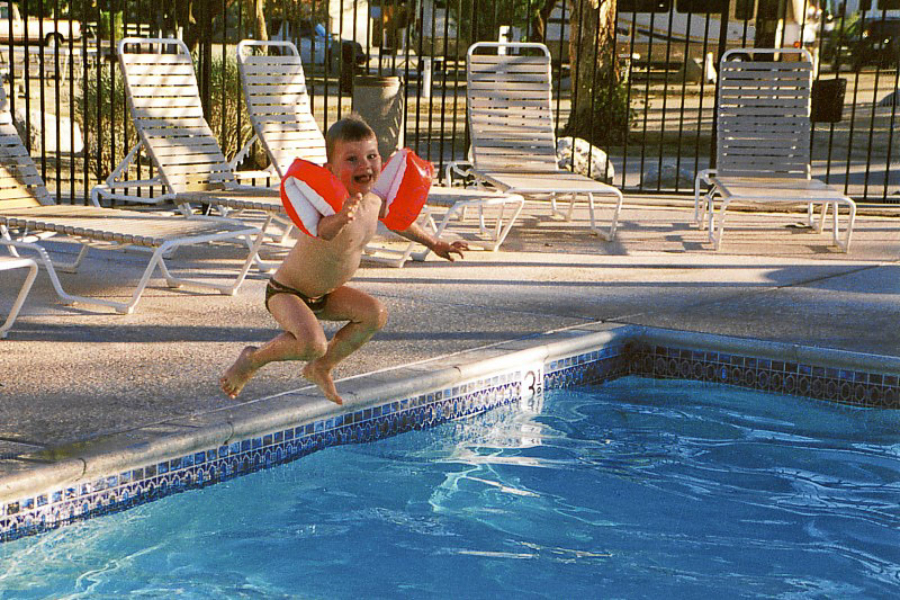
(347, 67)
(379, 100)
(828, 100)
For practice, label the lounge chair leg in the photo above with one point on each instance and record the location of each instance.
(284, 235)
(254, 254)
(502, 232)
(620, 199)
(820, 225)
(699, 218)
(590, 210)
(498, 225)
(702, 178)
(572, 209)
(834, 225)
(65, 297)
(173, 281)
(268, 266)
(72, 267)
(553, 210)
(23, 293)
(850, 223)
(716, 236)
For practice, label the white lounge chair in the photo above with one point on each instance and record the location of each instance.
(511, 127)
(11, 262)
(28, 216)
(278, 103)
(763, 143)
(167, 113)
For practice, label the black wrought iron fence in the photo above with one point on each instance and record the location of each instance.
(58, 59)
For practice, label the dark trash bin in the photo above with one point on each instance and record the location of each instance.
(348, 66)
(353, 61)
(828, 100)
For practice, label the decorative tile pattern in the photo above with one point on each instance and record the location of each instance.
(120, 491)
(591, 367)
(844, 386)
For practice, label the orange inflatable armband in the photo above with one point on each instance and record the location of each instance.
(310, 192)
(403, 185)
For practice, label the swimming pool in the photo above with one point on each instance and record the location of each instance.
(39, 493)
(636, 488)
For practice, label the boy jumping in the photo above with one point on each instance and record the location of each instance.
(310, 285)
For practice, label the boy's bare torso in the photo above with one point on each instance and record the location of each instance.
(317, 267)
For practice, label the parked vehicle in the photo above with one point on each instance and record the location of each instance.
(317, 46)
(878, 44)
(46, 31)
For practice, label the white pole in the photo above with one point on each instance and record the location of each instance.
(503, 38)
(426, 77)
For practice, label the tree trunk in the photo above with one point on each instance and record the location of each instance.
(595, 75)
(260, 31)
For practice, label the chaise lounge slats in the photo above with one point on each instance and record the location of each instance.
(26, 209)
(763, 143)
(278, 102)
(511, 123)
(109, 224)
(167, 113)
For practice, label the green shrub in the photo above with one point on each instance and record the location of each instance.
(101, 112)
(609, 120)
(226, 106)
(110, 23)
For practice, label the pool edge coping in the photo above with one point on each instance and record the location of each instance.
(187, 433)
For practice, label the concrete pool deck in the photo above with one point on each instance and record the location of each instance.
(72, 377)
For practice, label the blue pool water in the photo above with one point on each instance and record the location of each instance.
(635, 489)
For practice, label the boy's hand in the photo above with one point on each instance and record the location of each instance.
(446, 250)
(348, 210)
(332, 225)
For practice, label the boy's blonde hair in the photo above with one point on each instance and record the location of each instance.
(352, 128)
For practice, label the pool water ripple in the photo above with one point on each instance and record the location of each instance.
(637, 488)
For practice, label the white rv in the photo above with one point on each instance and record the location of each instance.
(657, 31)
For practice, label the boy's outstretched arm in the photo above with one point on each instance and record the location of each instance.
(440, 247)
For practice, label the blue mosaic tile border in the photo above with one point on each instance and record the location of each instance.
(843, 386)
(120, 491)
(591, 367)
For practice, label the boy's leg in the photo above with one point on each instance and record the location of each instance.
(366, 316)
(302, 339)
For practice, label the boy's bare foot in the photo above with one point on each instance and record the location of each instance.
(238, 374)
(322, 378)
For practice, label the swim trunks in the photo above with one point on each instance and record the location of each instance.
(274, 288)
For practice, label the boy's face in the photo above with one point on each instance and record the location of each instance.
(356, 164)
